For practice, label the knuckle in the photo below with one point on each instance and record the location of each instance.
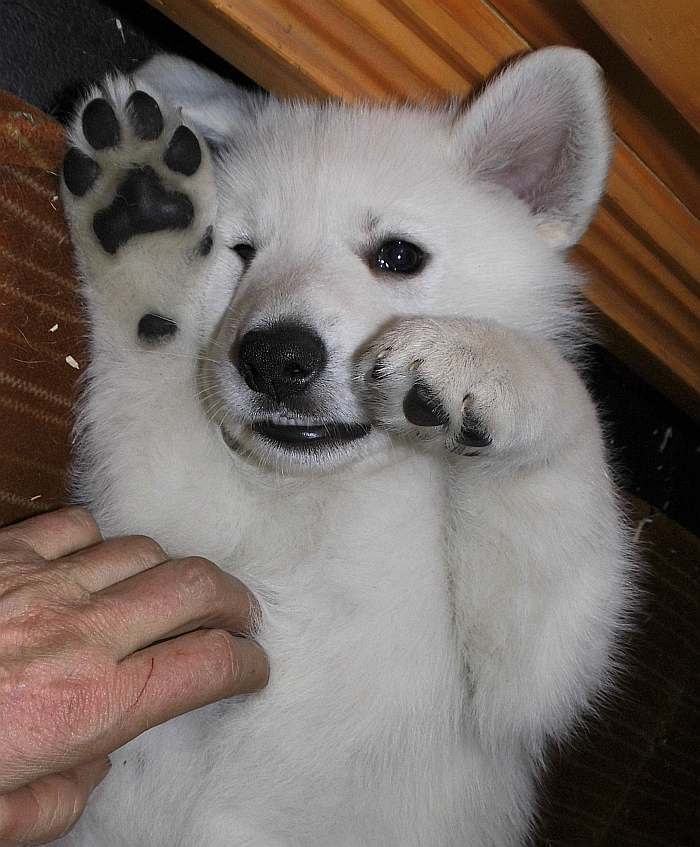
(95, 625)
(223, 646)
(241, 665)
(82, 709)
(36, 617)
(200, 576)
(71, 699)
(148, 549)
(16, 546)
(41, 626)
(81, 517)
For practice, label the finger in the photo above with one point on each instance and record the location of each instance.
(185, 673)
(170, 599)
(163, 681)
(51, 535)
(48, 807)
(112, 561)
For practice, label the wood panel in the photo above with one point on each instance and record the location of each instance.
(662, 39)
(644, 119)
(642, 250)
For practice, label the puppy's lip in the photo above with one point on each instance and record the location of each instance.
(308, 436)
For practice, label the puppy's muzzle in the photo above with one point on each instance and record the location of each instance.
(280, 360)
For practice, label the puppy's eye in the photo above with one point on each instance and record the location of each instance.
(245, 251)
(399, 257)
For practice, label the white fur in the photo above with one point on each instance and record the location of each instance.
(433, 620)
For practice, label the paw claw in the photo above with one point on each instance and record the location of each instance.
(79, 171)
(145, 116)
(100, 124)
(184, 154)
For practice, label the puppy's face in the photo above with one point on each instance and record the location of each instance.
(336, 222)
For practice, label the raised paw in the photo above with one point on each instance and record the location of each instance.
(134, 169)
(139, 194)
(442, 382)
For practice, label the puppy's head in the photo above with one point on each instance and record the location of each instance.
(335, 220)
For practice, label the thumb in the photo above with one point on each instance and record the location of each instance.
(48, 807)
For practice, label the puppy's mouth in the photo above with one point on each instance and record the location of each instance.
(295, 435)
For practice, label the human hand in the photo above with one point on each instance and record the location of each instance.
(80, 674)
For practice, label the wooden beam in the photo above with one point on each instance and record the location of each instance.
(644, 119)
(662, 39)
(642, 250)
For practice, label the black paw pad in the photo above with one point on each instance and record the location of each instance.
(154, 328)
(142, 204)
(422, 408)
(472, 433)
(100, 124)
(145, 116)
(207, 240)
(184, 154)
(79, 171)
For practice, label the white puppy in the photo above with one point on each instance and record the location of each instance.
(331, 350)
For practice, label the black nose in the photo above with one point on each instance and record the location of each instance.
(280, 360)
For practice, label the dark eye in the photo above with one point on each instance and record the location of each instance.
(245, 251)
(399, 257)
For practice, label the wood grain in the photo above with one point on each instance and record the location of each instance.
(643, 248)
(663, 40)
(644, 119)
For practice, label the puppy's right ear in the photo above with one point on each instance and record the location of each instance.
(215, 106)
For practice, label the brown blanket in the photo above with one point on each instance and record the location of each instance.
(41, 330)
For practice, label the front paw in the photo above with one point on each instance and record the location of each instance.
(444, 382)
(139, 194)
(134, 169)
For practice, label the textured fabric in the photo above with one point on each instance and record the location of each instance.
(628, 780)
(40, 320)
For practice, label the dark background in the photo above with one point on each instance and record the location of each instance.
(49, 48)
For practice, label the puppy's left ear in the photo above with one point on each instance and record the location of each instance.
(541, 129)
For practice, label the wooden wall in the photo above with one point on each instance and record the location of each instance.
(643, 249)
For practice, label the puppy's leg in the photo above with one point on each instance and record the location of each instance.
(538, 560)
(139, 194)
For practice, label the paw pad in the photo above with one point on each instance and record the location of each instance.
(141, 204)
(155, 328)
(100, 125)
(472, 433)
(422, 408)
(145, 116)
(79, 171)
(184, 154)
